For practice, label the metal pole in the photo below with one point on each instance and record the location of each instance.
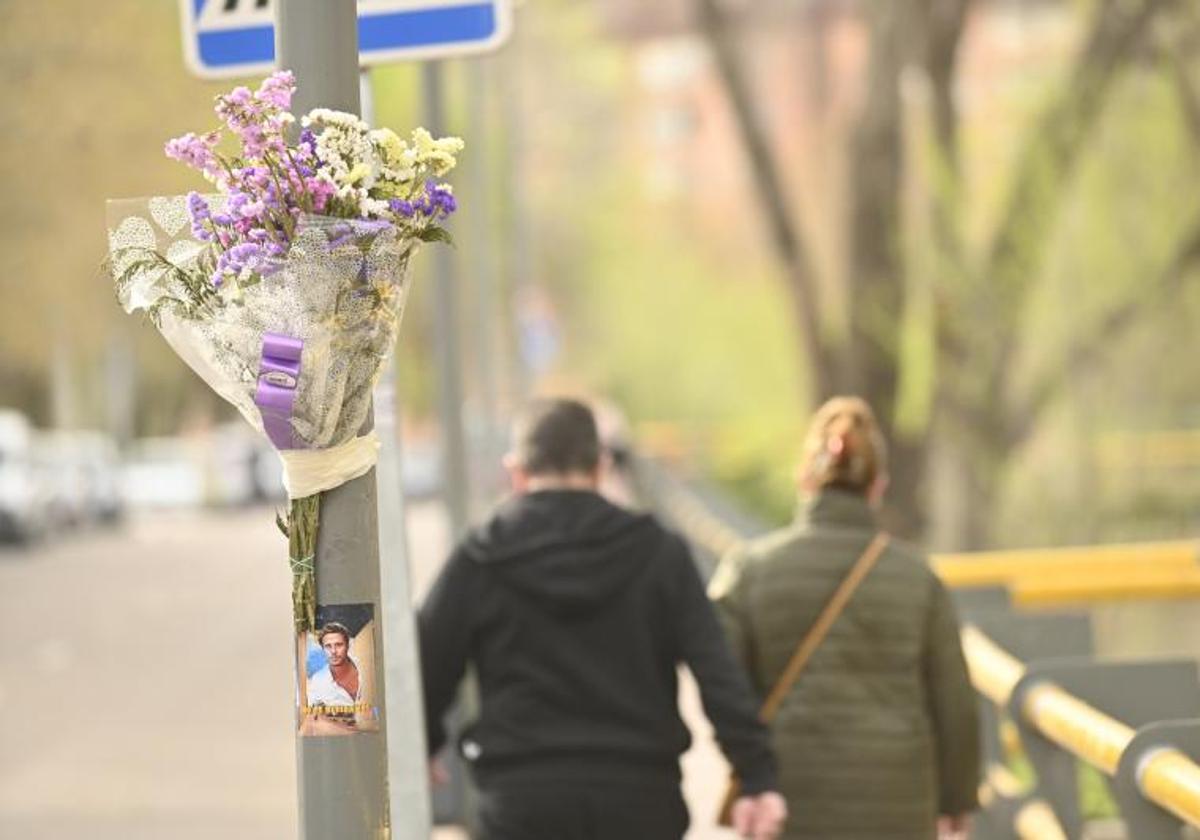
(456, 797)
(342, 780)
(520, 265)
(483, 253)
(449, 351)
(408, 780)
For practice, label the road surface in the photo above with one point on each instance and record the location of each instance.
(146, 683)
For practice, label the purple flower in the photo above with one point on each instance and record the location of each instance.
(246, 257)
(401, 207)
(198, 153)
(198, 207)
(240, 95)
(201, 217)
(277, 89)
(437, 203)
(321, 191)
(308, 142)
(252, 209)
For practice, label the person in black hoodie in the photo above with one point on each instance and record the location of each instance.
(576, 614)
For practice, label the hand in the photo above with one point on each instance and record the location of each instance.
(760, 817)
(957, 827)
(438, 775)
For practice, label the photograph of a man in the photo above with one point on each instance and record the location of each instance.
(337, 685)
(338, 663)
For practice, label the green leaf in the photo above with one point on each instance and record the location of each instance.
(435, 234)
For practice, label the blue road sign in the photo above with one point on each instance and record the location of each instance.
(224, 38)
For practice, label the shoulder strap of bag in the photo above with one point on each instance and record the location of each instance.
(820, 628)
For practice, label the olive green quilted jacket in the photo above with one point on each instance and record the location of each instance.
(880, 734)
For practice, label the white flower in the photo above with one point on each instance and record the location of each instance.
(375, 207)
(329, 117)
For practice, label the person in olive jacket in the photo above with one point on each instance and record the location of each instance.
(879, 737)
(576, 615)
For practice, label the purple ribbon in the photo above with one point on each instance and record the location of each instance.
(278, 378)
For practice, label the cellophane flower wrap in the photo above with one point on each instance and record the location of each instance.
(283, 287)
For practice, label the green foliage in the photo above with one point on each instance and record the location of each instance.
(435, 234)
(687, 336)
(1121, 226)
(199, 299)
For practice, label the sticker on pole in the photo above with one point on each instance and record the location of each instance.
(336, 672)
(237, 37)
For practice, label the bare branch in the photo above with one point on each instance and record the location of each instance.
(946, 21)
(1047, 163)
(786, 235)
(1087, 352)
(1187, 93)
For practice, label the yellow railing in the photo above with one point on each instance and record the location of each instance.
(994, 671)
(1168, 778)
(1153, 583)
(1077, 727)
(1035, 820)
(1171, 779)
(1006, 568)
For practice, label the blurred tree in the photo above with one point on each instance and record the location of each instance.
(91, 93)
(974, 406)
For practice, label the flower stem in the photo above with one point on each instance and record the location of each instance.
(302, 555)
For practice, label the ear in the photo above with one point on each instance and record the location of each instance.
(518, 479)
(877, 490)
(803, 484)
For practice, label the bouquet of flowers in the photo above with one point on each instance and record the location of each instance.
(283, 289)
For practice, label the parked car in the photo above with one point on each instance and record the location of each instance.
(162, 473)
(83, 469)
(229, 456)
(24, 496)
(102, 467)
(268, 473)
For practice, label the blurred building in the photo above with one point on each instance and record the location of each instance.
(806, 62)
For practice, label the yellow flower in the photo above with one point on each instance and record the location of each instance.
(389, 145)
(438, 153)
(360, 171)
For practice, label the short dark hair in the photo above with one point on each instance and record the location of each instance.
(333, 627)
(556, 436)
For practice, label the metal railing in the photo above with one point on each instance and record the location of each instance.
(1166, 776)
(1085, 573)
(1163, 775)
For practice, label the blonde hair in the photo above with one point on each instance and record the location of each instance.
(844, 447)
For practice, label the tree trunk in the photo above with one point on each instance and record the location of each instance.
(786, 234)
(876, 276)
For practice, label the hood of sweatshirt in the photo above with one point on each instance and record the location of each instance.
(571, 551)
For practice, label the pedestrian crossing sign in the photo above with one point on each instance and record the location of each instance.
(223, 38)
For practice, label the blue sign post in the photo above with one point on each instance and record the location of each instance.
(223, 38)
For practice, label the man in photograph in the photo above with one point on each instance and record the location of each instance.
(338, 685)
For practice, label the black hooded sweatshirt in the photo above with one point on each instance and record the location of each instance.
(575, 614)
